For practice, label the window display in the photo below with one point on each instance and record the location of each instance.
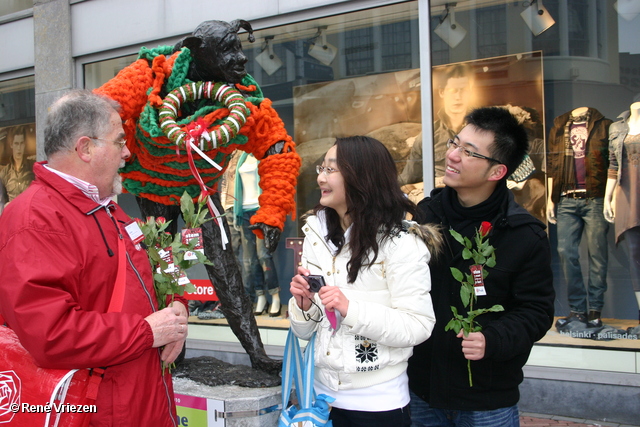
(577, 158)
(373, 82)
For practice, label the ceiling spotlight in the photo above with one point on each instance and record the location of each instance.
(267, 59)
(321, 50)
(448, 29)
(537, 17)
(628, 9)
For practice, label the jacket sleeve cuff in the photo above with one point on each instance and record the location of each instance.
(491, 343)
(352, 314)
(295, 312)
(147, 334)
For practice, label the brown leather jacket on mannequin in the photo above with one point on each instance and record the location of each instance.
(596, 158)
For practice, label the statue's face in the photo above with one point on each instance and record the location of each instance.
(222, 60)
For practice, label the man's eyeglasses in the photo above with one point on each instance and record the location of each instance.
(469, 153)
(120, 144)
(326, 169)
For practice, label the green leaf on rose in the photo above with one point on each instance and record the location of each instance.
(491, 261)
(465, 295)
(457, 274)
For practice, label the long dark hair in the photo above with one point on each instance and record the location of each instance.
(375, 204)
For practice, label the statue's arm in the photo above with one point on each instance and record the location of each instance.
(278, 169)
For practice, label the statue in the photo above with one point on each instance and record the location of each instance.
(159, 169)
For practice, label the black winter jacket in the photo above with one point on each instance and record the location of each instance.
(521, 282)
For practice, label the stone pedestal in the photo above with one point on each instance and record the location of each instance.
(226, 405)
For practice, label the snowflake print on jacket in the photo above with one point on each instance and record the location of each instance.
(366, 352)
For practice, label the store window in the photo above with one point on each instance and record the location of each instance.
(97, 73)
(366, 81)
(492, 31)
(397, 46)
(572, 57)
(356, 73)
(17, 137)
(358, 48)
(8, 7)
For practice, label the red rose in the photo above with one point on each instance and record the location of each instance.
(202, 199)
(160, 220)
(485, 228)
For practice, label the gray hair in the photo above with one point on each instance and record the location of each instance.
(78, 113)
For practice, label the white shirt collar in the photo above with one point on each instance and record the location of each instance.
(89, 190)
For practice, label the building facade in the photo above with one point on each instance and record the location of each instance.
(381, 68)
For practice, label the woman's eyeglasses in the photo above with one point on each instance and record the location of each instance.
(326, 169)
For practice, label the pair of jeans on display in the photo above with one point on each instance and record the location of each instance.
(632, 241)
(422, 415)
(235, 236)
(259, 270)
(576, 215)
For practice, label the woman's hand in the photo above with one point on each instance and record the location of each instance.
(333, 299)
(299, 289)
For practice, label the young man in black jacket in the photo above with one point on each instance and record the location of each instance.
(486, 151)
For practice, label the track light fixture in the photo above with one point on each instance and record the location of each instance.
(267, 59)
(448, 29)
(627, 9)
(321, 50)
(537, 17)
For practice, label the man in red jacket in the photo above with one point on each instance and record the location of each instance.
(60, 246)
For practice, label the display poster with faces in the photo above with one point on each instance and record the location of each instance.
(17, 156)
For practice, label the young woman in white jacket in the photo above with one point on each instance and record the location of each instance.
(376, 305)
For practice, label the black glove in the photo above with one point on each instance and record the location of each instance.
(271, 235)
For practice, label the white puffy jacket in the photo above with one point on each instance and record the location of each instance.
(390, 310)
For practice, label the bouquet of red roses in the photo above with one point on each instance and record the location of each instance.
(171, 256)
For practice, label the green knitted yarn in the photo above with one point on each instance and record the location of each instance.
(179, 71)
(149, 54)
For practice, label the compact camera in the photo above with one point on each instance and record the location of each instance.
(315, 282)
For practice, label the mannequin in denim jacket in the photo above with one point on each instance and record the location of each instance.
(628, 126)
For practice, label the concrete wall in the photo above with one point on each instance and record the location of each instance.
(604, 396)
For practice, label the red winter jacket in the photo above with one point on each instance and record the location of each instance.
(58, 264)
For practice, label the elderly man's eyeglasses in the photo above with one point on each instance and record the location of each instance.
(326, 169)
(451, 143)
(120, 144)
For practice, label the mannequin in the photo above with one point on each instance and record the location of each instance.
(258, 267)
(227, 187)
(621, 200)
(577, 174)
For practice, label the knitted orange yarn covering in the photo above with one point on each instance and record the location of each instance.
(156, 172)
(275, 173)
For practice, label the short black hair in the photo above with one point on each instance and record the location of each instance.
(510, 143)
